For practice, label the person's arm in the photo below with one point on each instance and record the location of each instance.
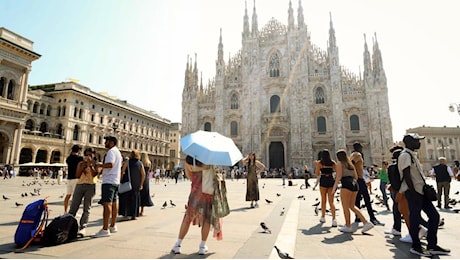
(245, 160)
(261, 167)
(449, 170)
(317, 168)
(123, 168)
(80, 169)
(141, 185)
(338, 175)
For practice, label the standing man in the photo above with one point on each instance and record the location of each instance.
(111, 173)
(412, 186)
(356, 158)
(72, 162)
(443, 174)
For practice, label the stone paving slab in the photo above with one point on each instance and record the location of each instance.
(297, 231)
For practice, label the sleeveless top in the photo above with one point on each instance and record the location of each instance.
(347, 172)
(86, 177)
(326, 171)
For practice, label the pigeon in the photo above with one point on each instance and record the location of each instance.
(301, 186)
(164, 205)
(375, 189)
(172, 204)
(282, 212)
(263, 186)
(441, 223)
(22, 194)
(282, 254)
(277, 194)
(5, 198)
(457, 192)
(18, 204)
(316, 204)
(316, 211)
(268, 201)
(301, 197)
(456, 210)
(316, 199)
(33, 194)
(265, 228)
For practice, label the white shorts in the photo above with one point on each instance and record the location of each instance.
(71, 185)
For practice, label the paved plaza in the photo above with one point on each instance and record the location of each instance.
(295, 227)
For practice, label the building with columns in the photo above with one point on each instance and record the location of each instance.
(286, 99)
(63, 114)
(16, 57)
(438, 142)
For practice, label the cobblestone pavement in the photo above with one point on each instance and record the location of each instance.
(297, 230)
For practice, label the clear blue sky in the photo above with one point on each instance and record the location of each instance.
(137, 49)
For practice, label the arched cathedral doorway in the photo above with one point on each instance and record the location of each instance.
(276, 155)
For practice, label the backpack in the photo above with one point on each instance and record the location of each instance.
(32, 224)
(394, 176)
(61, 230)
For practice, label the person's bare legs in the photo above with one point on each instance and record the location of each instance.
(323, 192)
(66, 202)
(330, 198)
(106, 214)
(354, 208)
(184, 229)
(345, 197)
(205, 231)
(114, 212)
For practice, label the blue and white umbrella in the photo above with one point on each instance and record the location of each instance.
(211, 148)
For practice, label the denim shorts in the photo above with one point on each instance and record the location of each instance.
(109, 193)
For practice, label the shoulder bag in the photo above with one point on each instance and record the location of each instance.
(126, 186)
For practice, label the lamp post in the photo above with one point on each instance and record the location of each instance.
(454, 107)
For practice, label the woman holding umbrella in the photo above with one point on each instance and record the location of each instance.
(254, 167)
(199, 207)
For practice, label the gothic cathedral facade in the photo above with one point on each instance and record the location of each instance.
(286, 99)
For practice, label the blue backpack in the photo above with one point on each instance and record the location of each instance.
(32, 224)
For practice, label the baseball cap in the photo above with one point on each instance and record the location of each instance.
(111, 138)
(412, 136)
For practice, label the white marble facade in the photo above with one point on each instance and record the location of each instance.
(286, 99)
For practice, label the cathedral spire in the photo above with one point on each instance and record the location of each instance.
(246, 21)
(300, 18)
(290, 17)
(332, 41)
(377, 60)
(220, 51)
(195, 72)
(254, 22)
(367, 59)
(187, 74)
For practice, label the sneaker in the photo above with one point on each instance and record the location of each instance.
(334, 223)
(406, 239)
(203, 250)
(377, 223)
(322, 220)
(420, 251)
(346, 229)
(176, 249)
(437, 250)
(113, 229)
(354, 226)
(367, 226)
(102, 233)
(82, 232)
(393, 232)
(422, 232)
(256, 205)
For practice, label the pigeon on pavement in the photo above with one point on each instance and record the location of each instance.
(282, 254)
(265, 228)
(268, 201)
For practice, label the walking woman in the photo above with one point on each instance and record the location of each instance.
(324, 169)
(130, 201)
(146, 200)
(346, 174)
(199, 206)
(254, 167)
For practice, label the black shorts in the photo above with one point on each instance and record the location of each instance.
(349, 183)
(326, 181)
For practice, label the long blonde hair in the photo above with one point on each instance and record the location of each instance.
(145, 160)
(343, 158)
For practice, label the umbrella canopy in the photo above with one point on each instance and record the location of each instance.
(211, 148)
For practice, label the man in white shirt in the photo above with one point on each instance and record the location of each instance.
(412, 186)
(111, 173)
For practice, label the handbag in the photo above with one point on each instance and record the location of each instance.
(429, 192)
(126, 186)
(220, 206)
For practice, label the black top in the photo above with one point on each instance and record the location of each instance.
(72, 162)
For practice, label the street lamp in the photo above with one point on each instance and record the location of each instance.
(453, 107)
